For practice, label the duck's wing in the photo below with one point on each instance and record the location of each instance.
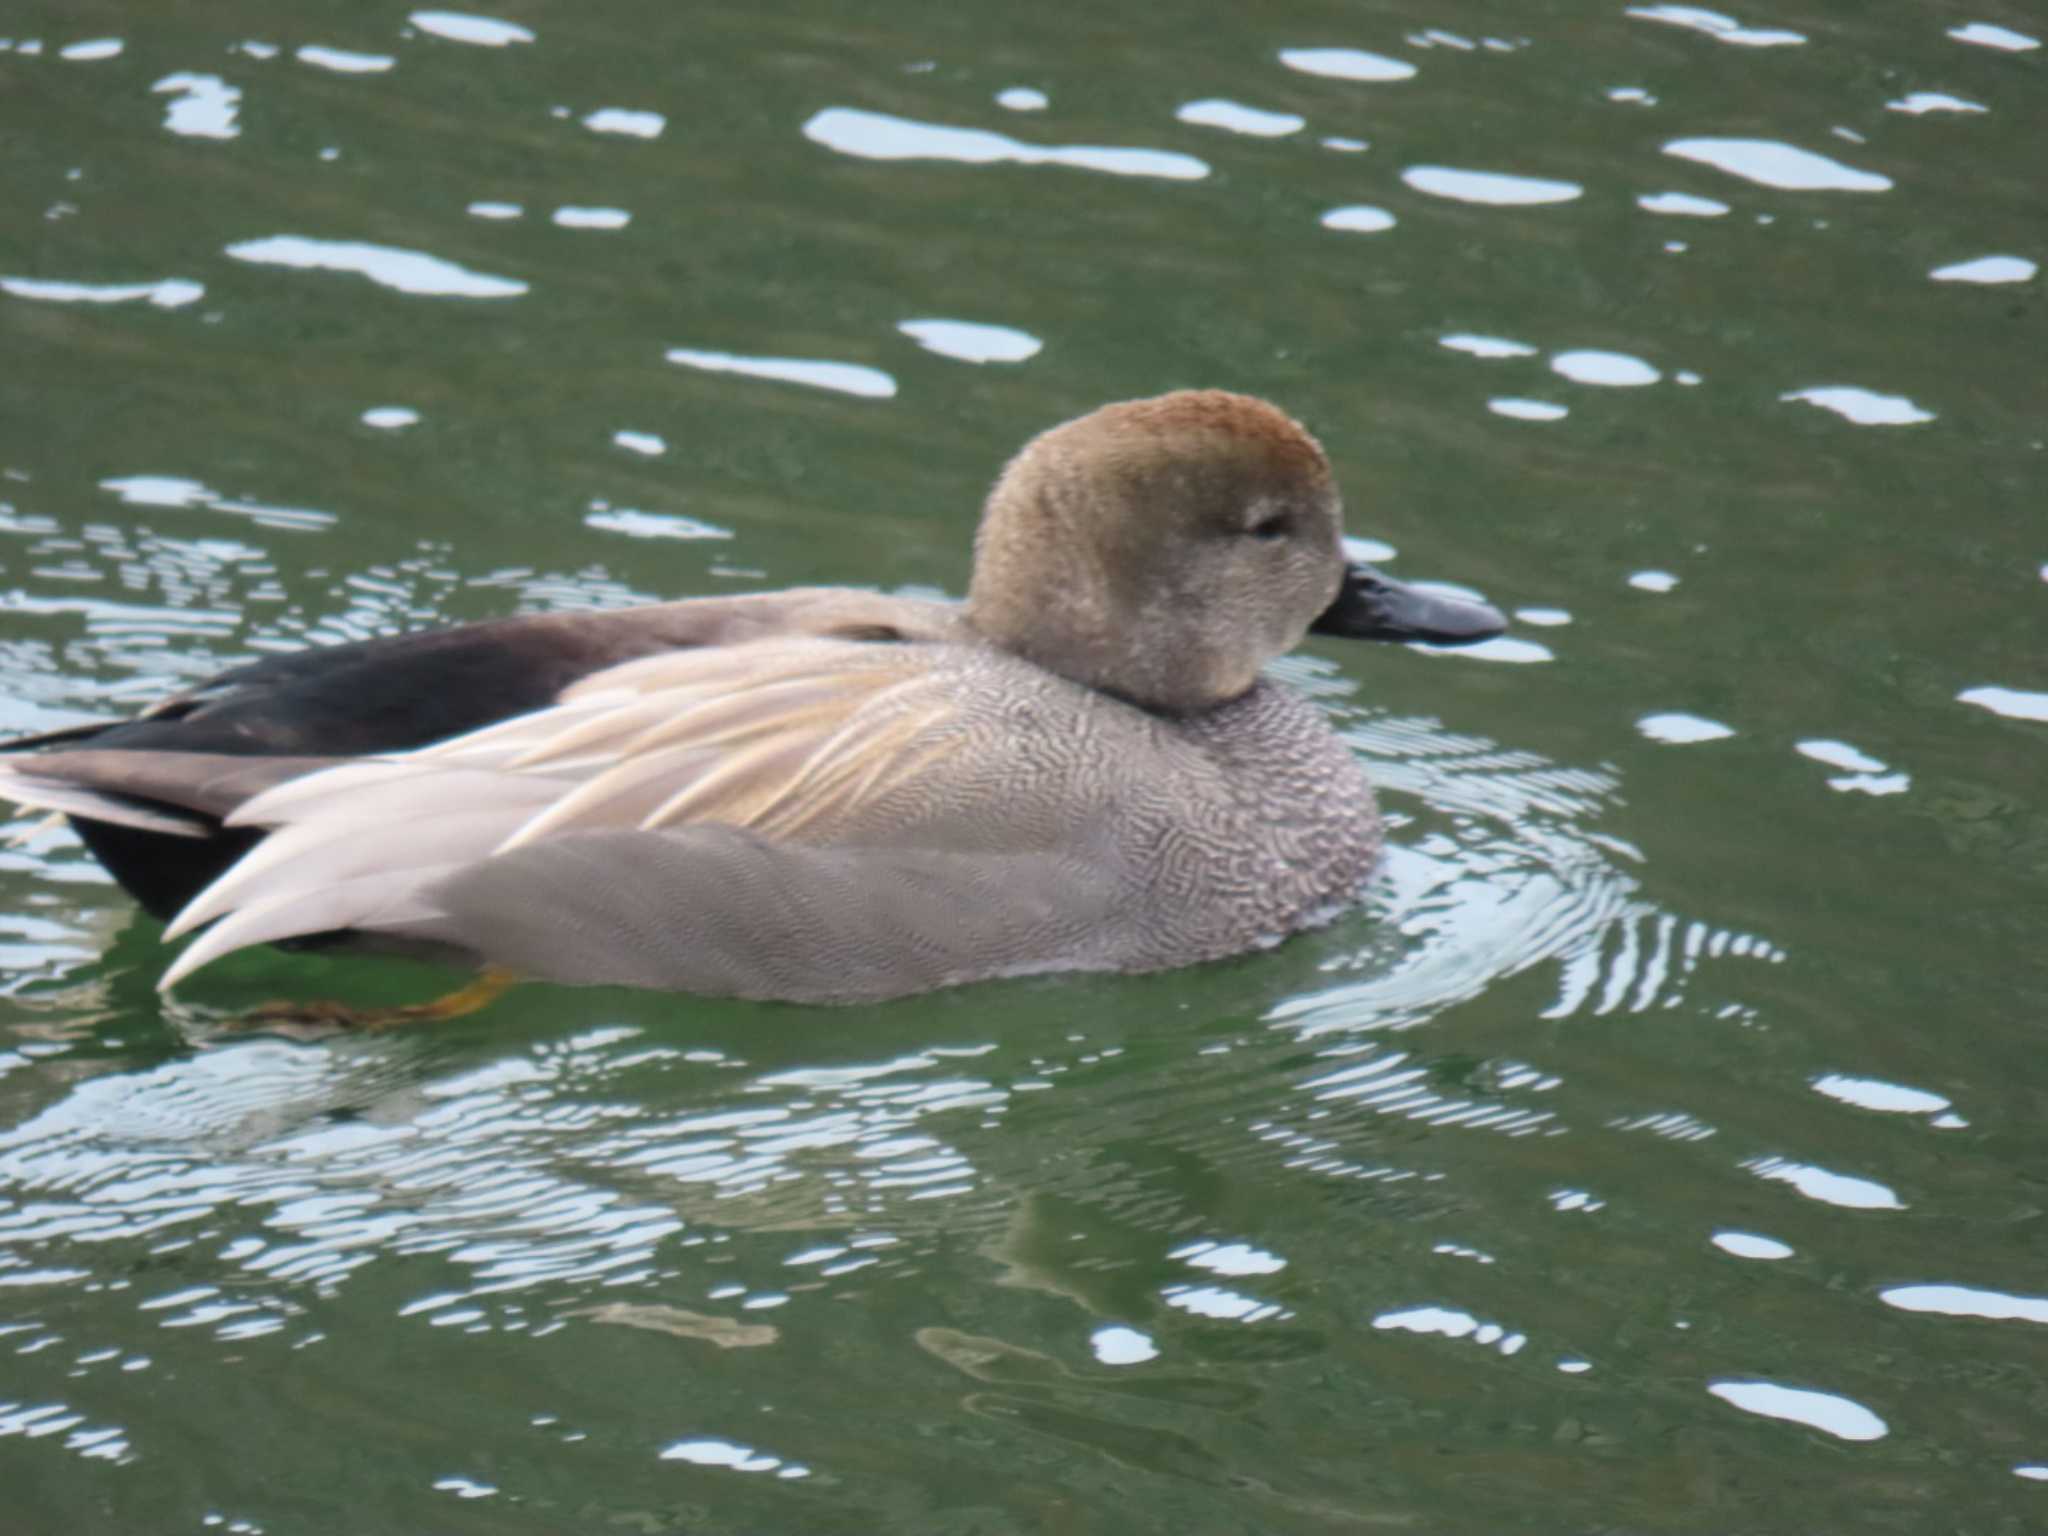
(147, 793)
(786, 741)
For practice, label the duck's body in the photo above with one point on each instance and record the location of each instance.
(817, 795)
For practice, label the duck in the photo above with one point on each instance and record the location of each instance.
(820, 795)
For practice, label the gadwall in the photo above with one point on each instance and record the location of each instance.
(818, 795)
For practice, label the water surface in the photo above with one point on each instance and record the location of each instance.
(1658, 1148)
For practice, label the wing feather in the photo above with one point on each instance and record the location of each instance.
(781, 736)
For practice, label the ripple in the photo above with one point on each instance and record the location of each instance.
(1681, 204)
(388, 266)
(1346, 64)
(972, 342)
(1769, 163)
(846, 378)
(1496, 188)
(1865, 407)
(1615, 370)
(1828, 1412)
(879, 136)
(1723, 29)
(1987, 269)
(1359, 218)
(1985, 35)
(461, 27)
(344, 62)
(166, 293)
(1236, 117)
(2013, 703)
(202, 108)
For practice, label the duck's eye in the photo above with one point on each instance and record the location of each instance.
(1273, 526)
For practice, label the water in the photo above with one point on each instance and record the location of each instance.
(1659, 1150)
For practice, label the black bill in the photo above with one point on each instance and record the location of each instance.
(1373, 606)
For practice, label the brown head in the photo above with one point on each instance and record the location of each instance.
(1161, 550)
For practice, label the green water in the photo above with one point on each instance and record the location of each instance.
(1661, 1148)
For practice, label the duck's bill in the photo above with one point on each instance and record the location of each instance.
(1373, 606)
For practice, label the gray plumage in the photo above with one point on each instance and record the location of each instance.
(825, 795)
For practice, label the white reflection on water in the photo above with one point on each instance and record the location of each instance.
(846, 378)
(1119, 1345)
(490, 210)
(388, 266)
(1683, 204)
(1615, 370)
(1358, 218)
(203, 106)
(1523, 409)
(344, 62)
(1933, 101)
(1497, 188)
(167, 293)
(879, 136)
(1769, 163)
(1865, 407)
(1875, 1093)
(1451, 1323)
(1653, 581)
(570, 216)
(390, 418)
(1487, 346)
(1967, 1301)
(1678, 729)
(1829, 1412)
(1987, 269)
(460, 27)
(1346, 64)
(972, 341)
(648, 443)
(626, 120)
(1988, 35)
(91, 50)
(1723, 29)
(710, 1452)
(1751, 1245)
(1022, 98)
(2013, 703)
(1826, 1186)
(1236, 117)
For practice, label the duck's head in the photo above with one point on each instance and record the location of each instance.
(1165, 550)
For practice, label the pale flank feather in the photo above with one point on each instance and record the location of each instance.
(777, 735)
(389, 898)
